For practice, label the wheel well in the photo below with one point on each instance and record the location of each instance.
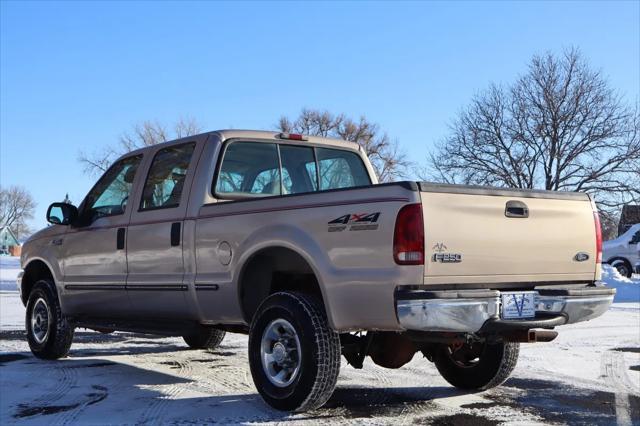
(35, 271)
(272, 270)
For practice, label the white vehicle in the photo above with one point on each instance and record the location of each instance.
(622, 253)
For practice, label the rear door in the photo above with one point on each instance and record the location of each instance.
(155, 282)
(484, 235)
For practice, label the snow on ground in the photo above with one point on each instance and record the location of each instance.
(627, 289)
(9, 268)
(589, 375)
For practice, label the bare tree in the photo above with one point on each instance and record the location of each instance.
(144, 134)
(16, 208)
(558, 127)
(388, 161)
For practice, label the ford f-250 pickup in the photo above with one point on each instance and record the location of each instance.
(291, 239)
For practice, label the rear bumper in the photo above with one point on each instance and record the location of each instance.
(473, 311)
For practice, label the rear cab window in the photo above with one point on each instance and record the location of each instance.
(263, 169)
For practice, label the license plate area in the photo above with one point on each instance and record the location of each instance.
(518, 305)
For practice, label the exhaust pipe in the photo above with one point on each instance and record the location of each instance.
(543, 335)
(532, 336)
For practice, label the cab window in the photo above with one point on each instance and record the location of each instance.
(257, 169)
(249, 169)
(109, 197)
(165, 181)
(340, 169)
(298, 169)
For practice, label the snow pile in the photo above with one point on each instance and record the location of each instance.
(627, 290)
(11, 309)
(9, 268)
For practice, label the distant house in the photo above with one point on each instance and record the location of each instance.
(9, 244)
(630, 216)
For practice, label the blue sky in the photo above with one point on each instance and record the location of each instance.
(74, 76)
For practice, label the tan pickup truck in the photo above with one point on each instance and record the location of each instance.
(292, 240)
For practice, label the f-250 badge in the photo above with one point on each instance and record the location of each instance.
(442, 257)
(355, 222)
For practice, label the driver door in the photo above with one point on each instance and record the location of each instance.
(95, 258)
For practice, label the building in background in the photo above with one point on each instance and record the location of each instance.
(630, 216)
(9, 244)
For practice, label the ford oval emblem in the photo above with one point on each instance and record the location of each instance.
(581, 257)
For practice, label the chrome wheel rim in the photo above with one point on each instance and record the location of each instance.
(40, 320)
(280, 352)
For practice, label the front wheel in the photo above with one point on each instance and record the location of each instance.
(205, 338)
(48, 332)
(293, 353)
(477, 366)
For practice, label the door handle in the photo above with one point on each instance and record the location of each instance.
(175, 234)
(515, 208)
(120, 238)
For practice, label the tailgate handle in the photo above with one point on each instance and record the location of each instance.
(516, 208)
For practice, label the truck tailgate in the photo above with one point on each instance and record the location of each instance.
(471, 236)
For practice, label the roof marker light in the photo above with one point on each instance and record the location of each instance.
(293, 136)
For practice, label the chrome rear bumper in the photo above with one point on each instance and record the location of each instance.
(469, 310)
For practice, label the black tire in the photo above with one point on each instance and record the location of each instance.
(318, 359)
(206, 338)
(55, 342)
(623, 266)
(477, 366)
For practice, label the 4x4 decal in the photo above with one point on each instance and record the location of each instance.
(355, 222)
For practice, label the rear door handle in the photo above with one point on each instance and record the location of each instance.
(175, 234)
(120, 239)
(517, 209)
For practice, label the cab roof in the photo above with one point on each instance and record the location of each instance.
(257, 136)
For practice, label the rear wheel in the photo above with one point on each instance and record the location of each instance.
(48, 332)
(477, 366)
(293, 353)
(205, 338)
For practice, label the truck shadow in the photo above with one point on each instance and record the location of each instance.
(87, 388)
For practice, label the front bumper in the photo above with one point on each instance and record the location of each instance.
(471, 311)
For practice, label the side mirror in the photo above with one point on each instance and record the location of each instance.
(62, 214)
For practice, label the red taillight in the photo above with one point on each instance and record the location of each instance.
(408, 237)
(596, 219)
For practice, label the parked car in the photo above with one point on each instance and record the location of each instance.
(292, 240)
(622, 252)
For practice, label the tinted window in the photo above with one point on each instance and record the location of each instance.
(298, 169)
(635, 239)
(249, 168)
(340, 169)
(165, 181)
(110, 195)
